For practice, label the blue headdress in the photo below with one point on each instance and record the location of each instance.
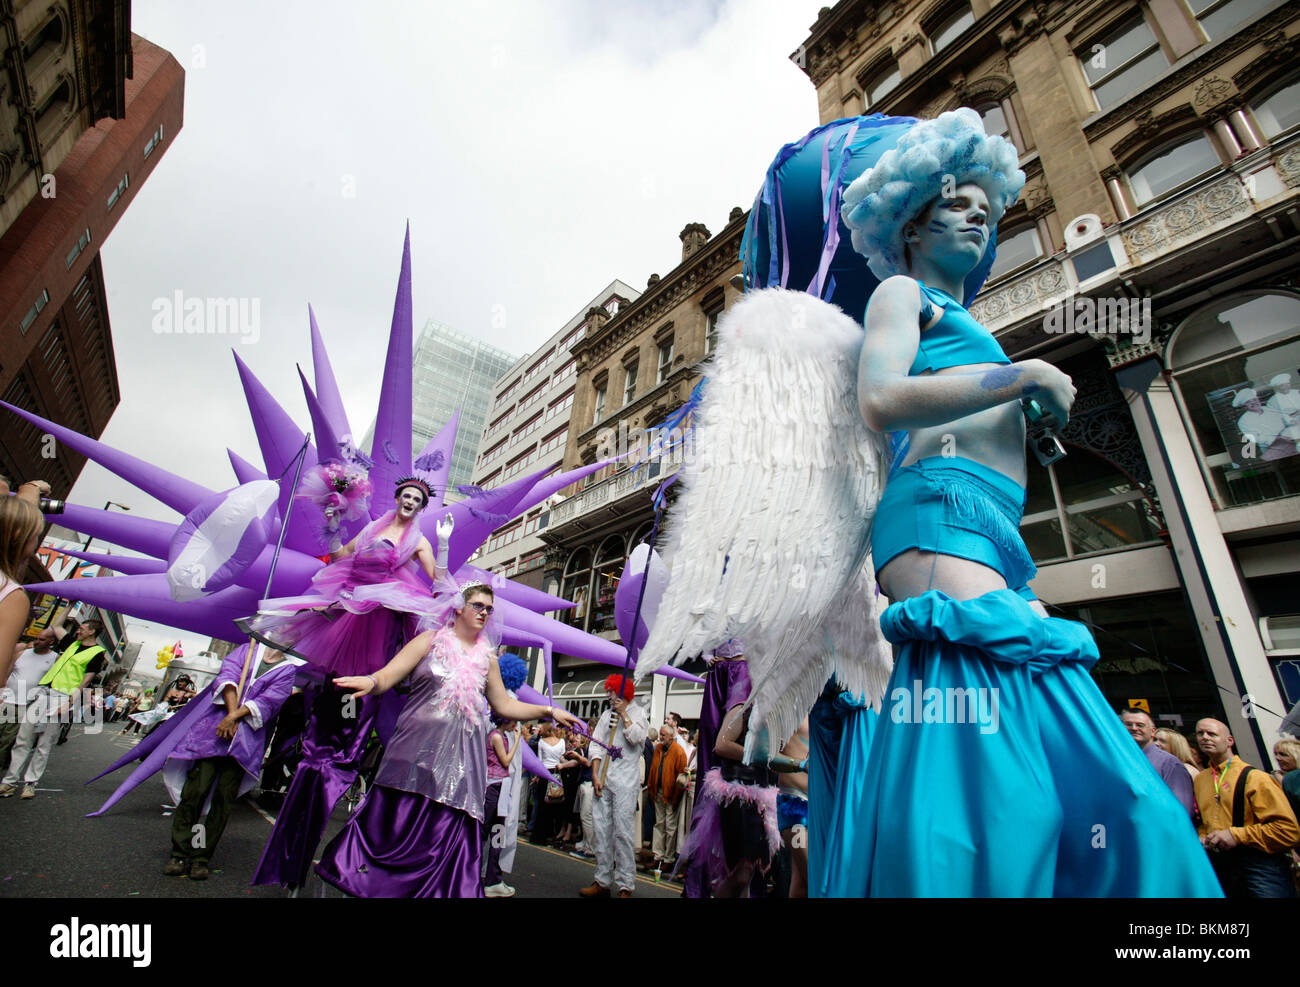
(797, 236)
(513, 671)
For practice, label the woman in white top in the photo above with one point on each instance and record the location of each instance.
(21, 524)
(550, 751)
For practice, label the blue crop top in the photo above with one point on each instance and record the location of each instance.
(956, 340)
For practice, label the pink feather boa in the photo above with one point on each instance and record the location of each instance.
(462, 689)
(761, 797)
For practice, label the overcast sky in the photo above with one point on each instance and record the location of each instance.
(539, 150)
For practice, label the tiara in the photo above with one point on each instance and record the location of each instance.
(475, 584)
(414, 481)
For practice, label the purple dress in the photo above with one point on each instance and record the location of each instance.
(419, 832)
(263, 696)
(373, 600)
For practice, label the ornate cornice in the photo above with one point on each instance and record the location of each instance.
(1196, 69)
(1280, 53)
(1147, 127)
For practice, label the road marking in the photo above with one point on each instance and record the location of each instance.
(670, 885)
(261, 812)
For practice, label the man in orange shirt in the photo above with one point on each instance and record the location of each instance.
(667, 766)
(1247, 825)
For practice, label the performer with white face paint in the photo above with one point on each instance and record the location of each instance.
(616, 781)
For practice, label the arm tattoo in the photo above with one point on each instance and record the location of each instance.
(1001, 377)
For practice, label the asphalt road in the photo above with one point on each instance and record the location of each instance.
(49, 849)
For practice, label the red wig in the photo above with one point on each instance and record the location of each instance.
(628, 690)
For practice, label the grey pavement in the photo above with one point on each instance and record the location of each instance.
(49, 849)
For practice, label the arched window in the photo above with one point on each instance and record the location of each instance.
(576, 586)
(1279, 111)
(1081, 505)
(1236, 370)
(609, 567)
(1016, 248)
(995, 120)
(1171, 168)
(47, 42)
(946, 29)
(54, 112)
(880, 81)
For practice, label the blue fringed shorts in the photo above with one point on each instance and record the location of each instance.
(954, 506)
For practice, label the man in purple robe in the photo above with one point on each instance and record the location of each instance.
(1142, 729)
(221, 753)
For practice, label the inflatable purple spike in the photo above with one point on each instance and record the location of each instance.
(327, 440)
(149, 597)
(280, 439)
(139, 534)
(245, 471)
(127, 565)
(391, 449)
(434, 460)
(176, 492)
(327, 388)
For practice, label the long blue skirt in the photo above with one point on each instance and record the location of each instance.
(997, 769)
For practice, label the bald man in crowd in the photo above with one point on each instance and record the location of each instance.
(1247, 825)
(1142, 729)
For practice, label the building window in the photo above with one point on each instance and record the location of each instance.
(946, 31)
(117, 192)
(1234, 346)
(1020, 247)
(665, 361)
(575, 586)
(154, 141)
(882, 80)
(600, 404)
(75, 252)
(34, 311)
(611, 306)
(1172, 168)
(1122, 61)
(1218, 17)
(1279, 112)
(711, 329)
(629, 385)
(1082, 505)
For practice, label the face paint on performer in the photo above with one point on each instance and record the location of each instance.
(955, 228)
(410, 502)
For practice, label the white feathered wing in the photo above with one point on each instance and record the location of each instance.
(779, 488)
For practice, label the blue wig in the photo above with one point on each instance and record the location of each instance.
(513, 671)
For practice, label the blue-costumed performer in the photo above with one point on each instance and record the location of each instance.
(1017, 779)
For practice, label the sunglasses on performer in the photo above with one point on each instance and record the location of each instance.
(483, 608)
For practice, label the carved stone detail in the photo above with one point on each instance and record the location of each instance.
(1187, 219)
(1212, 90)
(1288, 165)
(1022, 296)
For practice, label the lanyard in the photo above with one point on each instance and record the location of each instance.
(1218, 778)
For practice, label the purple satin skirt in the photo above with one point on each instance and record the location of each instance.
(402, 845)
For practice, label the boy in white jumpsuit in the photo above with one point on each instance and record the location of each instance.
(616, 783)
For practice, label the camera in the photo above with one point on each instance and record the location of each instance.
(49, 505)
(1042, 438)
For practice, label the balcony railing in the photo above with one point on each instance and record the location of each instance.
(607, 491)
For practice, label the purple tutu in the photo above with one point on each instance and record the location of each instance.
(402, 845)
(361, 611)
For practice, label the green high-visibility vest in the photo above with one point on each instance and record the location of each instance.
(65, 675)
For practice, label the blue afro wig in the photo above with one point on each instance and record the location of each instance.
(513, 671)
(883, 200)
